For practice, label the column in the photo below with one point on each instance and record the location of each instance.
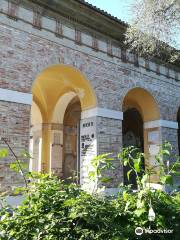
(36, 148)
(155, 134)
(56, 149)
(100, 132)
(46, 146)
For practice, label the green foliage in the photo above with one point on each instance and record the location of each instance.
(154, 29)
(166, 165)
(56, 210)
(98, 166)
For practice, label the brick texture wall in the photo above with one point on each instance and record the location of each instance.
(25, 53)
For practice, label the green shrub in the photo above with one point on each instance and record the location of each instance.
(55, 210)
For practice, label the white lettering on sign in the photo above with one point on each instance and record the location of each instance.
(88, 146)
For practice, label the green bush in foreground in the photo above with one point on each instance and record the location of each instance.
(55, 210)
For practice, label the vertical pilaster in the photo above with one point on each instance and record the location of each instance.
(13, 6)
(56, 149)
(170, 135)
(100, 132)
(155, 134)
(46, 143)
(36, 148)
(152, 143)
(109, 140)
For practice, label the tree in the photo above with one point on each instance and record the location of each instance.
(155, 29)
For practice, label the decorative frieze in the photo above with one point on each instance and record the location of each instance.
(13, 6)
(123, 55)
(109, 48)
(59, 28)
(176, 76)
(14, 9)
(147, 65)
(95, 43)
(157, 69)
(78, 39)
(136, 61)
(167, 72)
(37, 18)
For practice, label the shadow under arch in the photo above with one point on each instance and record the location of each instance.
(56, 80)
(144, 102)
(139, 107)
(67, 114)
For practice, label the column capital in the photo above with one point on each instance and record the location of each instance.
(52, 126)
(15, 96)
(102, 112)
(161, 123)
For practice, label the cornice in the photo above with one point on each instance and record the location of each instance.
(81, 12)
(62, 15)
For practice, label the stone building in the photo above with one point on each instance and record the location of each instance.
(69, 90)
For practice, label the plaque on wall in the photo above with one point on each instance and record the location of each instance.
(153, 136)
(88, 145)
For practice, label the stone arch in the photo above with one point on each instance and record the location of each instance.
(53, 89)
(143, 100)
(140, 110)
(56, 80)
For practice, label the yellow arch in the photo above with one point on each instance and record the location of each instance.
(56, 80)
(144, 102)
(147, 106)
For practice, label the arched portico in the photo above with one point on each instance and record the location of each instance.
(60, 93)
(140, 109)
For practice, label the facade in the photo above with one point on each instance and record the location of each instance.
(69, 90)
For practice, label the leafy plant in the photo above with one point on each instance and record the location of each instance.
(54, 209)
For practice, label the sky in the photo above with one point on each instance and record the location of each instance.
(117, 8)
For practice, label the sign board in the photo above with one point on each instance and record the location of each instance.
(88, 146)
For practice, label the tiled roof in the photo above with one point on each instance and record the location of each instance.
(103, 12)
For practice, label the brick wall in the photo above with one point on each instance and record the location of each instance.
(25, 51)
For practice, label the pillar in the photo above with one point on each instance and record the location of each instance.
(46, 143)
(56, 161)
(15, 120)
(100, 132)
(155, 134)
(36, 148)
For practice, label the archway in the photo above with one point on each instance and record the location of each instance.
(178, 120)
(71, 161)
(139, 108)
(60, 91)
(132, 136)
